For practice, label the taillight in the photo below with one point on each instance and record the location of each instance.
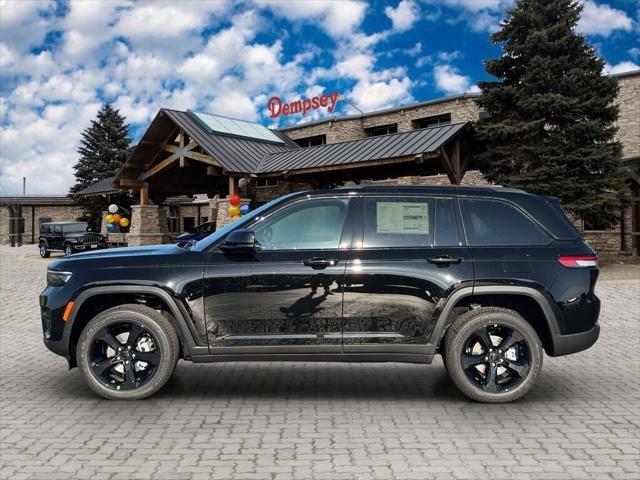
(578, 261)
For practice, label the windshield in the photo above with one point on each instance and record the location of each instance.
(75, 228)
(218, 234)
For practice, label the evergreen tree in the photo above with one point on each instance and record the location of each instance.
(552, 113)
(103, 150)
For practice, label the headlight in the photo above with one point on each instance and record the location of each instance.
(56, 278)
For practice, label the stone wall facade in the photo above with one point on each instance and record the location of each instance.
(32, 218)
(462, 108)
(629, 116)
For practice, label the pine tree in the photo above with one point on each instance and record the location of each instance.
(552, 112)
(103, 150)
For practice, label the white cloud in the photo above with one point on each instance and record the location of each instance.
(404, 15)
(450, 81)
(24, 24)
(337, 18)
(480, 15)
(621, 67)
(602, 20)
(369, 96)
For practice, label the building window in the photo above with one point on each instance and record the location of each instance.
(189, 224)
(312, 141)
(591, 223)
(173, 224)
(382, 130)
(266, 182)
(432, 121)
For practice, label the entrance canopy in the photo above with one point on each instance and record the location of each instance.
(194, 152)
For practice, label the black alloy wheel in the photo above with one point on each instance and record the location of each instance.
(492, 354)
(497, 358)
(44, 253)
(68, 249)
(128, 352)
(124, 356)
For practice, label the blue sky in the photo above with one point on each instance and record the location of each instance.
(60, 60)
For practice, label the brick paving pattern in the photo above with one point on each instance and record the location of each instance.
(315, 420)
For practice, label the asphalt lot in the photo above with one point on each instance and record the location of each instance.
(316, 420)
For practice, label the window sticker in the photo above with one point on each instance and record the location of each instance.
(402, 218)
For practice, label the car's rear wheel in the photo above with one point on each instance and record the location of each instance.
(127, 352)
(44, 253)
(493, 355)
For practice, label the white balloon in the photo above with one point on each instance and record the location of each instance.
(113, 208)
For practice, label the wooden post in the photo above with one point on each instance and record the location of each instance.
(144, 194)
(234, 187)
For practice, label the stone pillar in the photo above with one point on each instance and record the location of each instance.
(223, 218)
(103, 224)
(148, 226)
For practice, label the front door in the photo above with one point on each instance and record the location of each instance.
(287, 296)
(408, 258)
(57, 238)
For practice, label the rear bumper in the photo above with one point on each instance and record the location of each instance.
(575, 342)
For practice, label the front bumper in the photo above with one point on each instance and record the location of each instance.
(575, 342)
(83, 246)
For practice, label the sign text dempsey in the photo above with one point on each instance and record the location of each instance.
(277, 108)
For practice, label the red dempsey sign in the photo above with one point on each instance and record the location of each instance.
(277, 108)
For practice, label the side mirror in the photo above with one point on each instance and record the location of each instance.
(240, 241)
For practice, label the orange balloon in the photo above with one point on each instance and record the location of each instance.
(235, 217)
(117, 217)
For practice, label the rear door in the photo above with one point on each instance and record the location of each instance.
(408, 257)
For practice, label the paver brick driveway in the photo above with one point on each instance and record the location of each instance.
(315, 420)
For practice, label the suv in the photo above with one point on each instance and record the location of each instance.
(68, 237)
(486, 277)
(198, 233)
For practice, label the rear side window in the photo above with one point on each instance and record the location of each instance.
(409, 222)
(493, 222)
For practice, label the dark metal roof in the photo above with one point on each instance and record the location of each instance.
(100, 188)
(235, 154)
(45, 200)
(395, 145)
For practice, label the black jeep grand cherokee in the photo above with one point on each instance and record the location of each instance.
(486, 277)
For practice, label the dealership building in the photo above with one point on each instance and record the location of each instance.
(187, 164)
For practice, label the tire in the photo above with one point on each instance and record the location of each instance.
(68, 249)
(44, 253)
(138, 318)
(493, 376)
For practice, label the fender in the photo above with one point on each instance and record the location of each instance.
(179, 313)
(444, 320)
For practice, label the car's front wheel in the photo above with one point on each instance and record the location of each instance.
(44, 253)
(493, 355)
(68, 249)
(127, 352)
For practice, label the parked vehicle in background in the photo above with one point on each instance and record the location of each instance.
(489, 278)
(68, 237)
(200, 232)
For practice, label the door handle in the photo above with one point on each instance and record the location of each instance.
(318, 263)
(444, 260)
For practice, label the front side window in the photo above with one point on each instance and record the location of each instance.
(494, 222)
(314, 224)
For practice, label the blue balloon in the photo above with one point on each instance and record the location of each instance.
(111, 227)
(244, 209)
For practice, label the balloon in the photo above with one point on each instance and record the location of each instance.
(111, 227)
(234, 200)
(109, 218)
(244, 209)
(116, 218)
(124, 222)
(113, 208)
(235, 217)
(234, 210)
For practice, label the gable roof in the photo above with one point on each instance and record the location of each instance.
(235, 154)
(102, 187)
(394, 145)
